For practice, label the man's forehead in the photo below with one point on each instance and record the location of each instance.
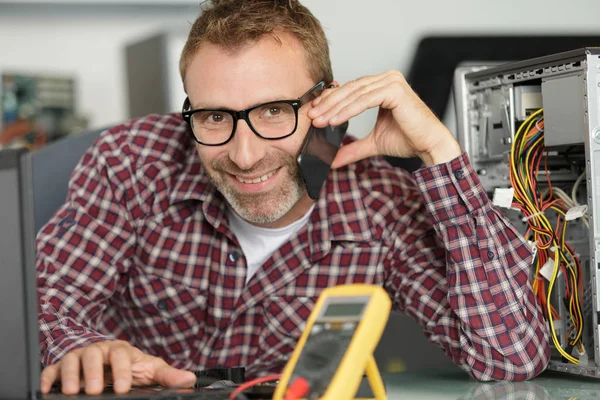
(264, 71)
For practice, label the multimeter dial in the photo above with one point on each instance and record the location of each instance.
(323, 351)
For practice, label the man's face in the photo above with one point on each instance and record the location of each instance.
(258, 177)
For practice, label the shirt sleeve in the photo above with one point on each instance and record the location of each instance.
(82, 252)
(463, 274)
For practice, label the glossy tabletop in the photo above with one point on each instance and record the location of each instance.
(457, 385)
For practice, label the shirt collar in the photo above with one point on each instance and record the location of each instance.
(191, 182)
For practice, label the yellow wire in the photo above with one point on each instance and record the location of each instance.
(572, 272)
(541, 139)
(535, 285)
(550, 319)
(522, 196)
(513, 166)
(522, 179)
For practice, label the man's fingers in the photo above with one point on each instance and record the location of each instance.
(92, 363)
(167, 376)
(353, 152)
(70, 373)
(382, 93)
(326, 92)
(128, 366)
(330, 104)
(383, 97)
(120, 362)
(49, 375)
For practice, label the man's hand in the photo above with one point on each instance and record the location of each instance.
(129, 366)
(405, 126)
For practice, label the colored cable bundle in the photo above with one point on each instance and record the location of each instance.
(554, 252)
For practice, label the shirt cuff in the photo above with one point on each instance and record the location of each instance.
(451, 189)
(58, 347)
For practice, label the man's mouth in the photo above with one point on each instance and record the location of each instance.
(257, 179)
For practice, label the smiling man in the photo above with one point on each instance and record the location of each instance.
(188, 240)
(252, 162)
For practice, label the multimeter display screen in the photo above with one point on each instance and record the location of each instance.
(344, 309)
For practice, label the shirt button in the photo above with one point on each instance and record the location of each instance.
(459, 174)
(162, 305)
(66, 223)
(234, 256)
(491, 255)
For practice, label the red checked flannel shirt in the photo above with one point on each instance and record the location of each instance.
(142, 251)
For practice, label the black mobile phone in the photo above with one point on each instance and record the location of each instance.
(316, 155)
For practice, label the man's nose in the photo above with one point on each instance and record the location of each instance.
(246, 148)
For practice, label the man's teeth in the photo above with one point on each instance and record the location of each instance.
(255, 180)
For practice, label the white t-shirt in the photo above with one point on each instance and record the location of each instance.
(259, 243)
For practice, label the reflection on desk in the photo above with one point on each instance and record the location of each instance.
(434, 385)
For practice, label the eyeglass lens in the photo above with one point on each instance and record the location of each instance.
(271, 120)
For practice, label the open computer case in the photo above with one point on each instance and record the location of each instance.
(532, 131)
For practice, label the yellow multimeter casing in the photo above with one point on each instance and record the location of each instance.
(358, 313)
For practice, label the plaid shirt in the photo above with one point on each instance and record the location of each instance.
(141, 251)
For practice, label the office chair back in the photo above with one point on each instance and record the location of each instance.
(51, 169)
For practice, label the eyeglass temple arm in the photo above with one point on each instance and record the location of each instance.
(318, 86)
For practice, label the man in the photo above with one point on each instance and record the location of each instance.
(185, 247)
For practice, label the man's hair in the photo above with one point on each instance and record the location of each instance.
(234, 24)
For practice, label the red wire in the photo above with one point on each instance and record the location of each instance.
(251, 383)
(299, 388)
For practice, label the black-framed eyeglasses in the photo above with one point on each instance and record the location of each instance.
(272, 120)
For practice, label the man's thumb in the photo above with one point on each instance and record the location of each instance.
(352, 152)
(168, 376)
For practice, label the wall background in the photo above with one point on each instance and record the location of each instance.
(86, 38)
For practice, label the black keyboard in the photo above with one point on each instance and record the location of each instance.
(262, 391)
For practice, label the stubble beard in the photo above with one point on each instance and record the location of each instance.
(265, 207)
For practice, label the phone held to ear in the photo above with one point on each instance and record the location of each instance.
(316, 155)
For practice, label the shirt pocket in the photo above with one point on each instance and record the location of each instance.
(165, 317)
(284, 320)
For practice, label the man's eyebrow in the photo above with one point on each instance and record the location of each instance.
(222, 107)
(208, 105)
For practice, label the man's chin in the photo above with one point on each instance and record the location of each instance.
(258, 216)
(262, 208)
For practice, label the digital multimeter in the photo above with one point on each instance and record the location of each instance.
(336, 347)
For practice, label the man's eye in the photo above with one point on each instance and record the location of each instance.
(215, 117)
(272, 111)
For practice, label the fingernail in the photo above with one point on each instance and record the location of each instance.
(320, 119)
(333, 120)
(191, 379)
(93, 385)
(69, 386)
(120, 385)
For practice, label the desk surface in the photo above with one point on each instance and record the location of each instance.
(457, 385)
